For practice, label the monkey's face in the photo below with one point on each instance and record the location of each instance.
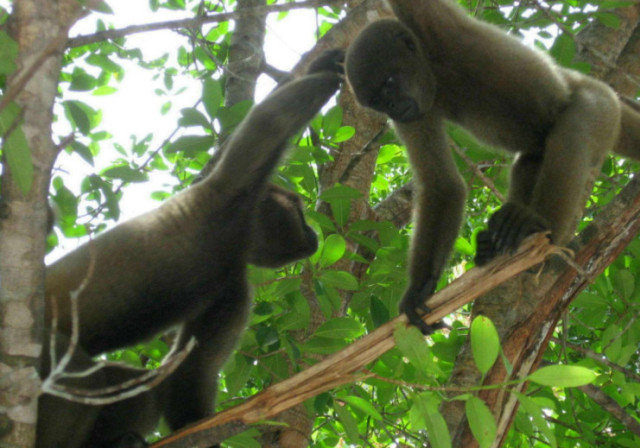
(388, 72)
(281, 234)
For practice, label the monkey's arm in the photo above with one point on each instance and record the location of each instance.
(438, 207)
(258, 143)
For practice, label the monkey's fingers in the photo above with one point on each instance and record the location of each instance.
(485, 250)
(414, 300)
(510, 225)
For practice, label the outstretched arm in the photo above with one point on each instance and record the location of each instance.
(257, 144)
(438, 207)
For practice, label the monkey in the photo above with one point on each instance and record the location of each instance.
(433, 63)
(172, 263)
(185, 263)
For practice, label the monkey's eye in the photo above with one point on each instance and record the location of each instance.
(389, 84)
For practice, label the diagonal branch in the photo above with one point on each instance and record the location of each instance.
(346, 365)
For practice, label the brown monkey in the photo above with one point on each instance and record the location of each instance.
(186, 263)
(435, 63)
(170, 264)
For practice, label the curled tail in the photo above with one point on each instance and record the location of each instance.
(629, 140)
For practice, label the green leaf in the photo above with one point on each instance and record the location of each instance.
(411, 343)
(563, 50)
(536, 413)
(229, 117)
(245, 439)
(340, 279)
(363, 405)
(191, 145)
(126, 173)
(333, 250)
(609, 19)
(425, 410)
(463, 246)
(16, 150)
(332, 121)
(211, 96)
(343, 134)
(8, 53)
(193, 117)
(481, 421)
(624, 281)
(104, 90)
(379, 312)
(16, 147)
(105, 63)
(340, 328)
(286, 286)
(83, 151)
(322, 346)
(563, 376)
(81, 116)
(340, 193)
(299, 316)
(81, 81)
(237, 374)
(349, 423)
(485, 343)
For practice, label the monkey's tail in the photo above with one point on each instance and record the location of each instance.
(629, 141)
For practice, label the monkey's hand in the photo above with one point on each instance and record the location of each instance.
(414, 299)
(328, 61)
(508, 227)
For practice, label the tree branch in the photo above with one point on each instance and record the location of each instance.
(346, 366)
(195, 21)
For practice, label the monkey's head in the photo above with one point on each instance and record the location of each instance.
(388, 72)
(281, 234)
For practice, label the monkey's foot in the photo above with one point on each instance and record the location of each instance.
(508, 227)
(414, 300)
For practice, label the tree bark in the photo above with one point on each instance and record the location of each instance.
(40, 28)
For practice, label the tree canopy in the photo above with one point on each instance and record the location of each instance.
(579, 322)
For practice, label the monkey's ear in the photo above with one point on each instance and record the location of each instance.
(329, 61)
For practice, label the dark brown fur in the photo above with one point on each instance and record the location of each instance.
(435, 63)
(186, 263)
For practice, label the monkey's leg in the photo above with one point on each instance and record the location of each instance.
(439, 203)
(574, 150)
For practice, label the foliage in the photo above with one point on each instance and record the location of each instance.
(398, 402)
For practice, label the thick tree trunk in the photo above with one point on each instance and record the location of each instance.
(40, 28)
